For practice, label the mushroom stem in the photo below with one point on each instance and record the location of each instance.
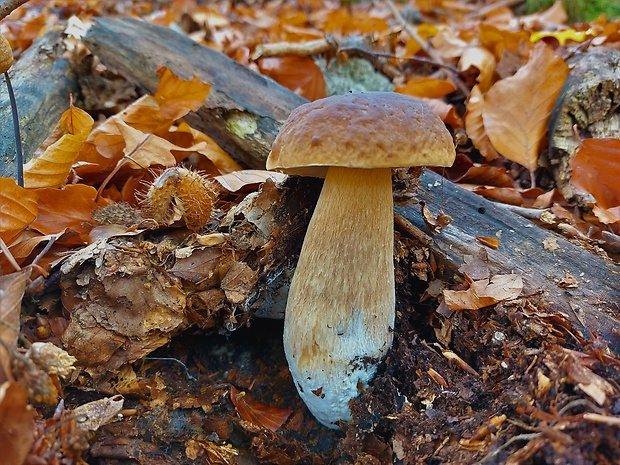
(340, 311)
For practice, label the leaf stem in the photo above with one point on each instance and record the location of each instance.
(18, 138)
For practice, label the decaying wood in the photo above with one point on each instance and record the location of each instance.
(587, 105)
(40, 101)
(244, 110)
(240, 93)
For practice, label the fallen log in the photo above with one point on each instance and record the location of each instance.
(40, 101)
(245, 110)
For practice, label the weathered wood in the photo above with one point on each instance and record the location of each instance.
(593, 305)
(237, 90)
(244, 109)
(42, 81)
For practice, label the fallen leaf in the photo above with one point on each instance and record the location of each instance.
(485, 292)
(481, 59)
(516, 109)
(300, 74)
(12, 287)
(19, 209)
(51, 168)
(426, 87)
(69, 208)
(265, 416)
(93, 415)
(475, 126)
(596, 169)
(16, 424)
(237, 180)
(491, 242)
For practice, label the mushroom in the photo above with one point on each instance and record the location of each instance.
(340, 311)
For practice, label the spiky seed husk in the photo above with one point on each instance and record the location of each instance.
(179, 193)
(6, 54)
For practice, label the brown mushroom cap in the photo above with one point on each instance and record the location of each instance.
(369, 130)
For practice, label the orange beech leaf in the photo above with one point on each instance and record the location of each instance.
(19, 208)
(341, 21)
(17, 423)
(491, 242)
(237, 180)
(607, 215)
(177, 97)
(516, 109)
(448, 43)
(497, 40)
(265, 416)
(12, 288)
(223, 162)
(425, 31)
(426, 87)
(475, 127)
(51, 168)
(596, 169)
(299, 74)
(446, 111)
(69, 208)
(146, 149)
(485, 292)
(481, 59)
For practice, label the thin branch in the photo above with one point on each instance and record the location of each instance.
(8, 6)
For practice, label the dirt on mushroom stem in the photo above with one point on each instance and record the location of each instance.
(340, 310)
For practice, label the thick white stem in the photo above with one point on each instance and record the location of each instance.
(340, 310)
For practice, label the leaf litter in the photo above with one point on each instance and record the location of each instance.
(160, 309)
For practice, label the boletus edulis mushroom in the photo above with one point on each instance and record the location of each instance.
(340, 311)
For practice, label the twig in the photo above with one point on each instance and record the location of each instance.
(18, 137)
(424, 46)
(8, 6)
(9, 256)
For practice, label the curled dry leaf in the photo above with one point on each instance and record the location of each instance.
(475, 127)
(12, 287)
(93, 415)
(300, 74)
(51, 168)
(427, 87)
(19, 209)
(481, 59)
(265, 416)
(16, 423)
(485, 292)
(51, 359)
(596, 169)
(69, 208)
(516, 109)
(237, 180)
(491, 242)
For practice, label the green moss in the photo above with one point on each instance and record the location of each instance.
(580, 10)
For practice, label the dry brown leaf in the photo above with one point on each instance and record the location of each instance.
(516, 109)
(12, 287)
(93, 415)
(426, 87)
(51, 168)
(239, 282)
(223, 162)
(16, 424)
(491, 242)
(475, 127)
(596, 169)
(299, 74)
(485, 292)
(237, 180)
(177, 97)
(265, 416)
(481, 59)
(19, 209)
(68, 208)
